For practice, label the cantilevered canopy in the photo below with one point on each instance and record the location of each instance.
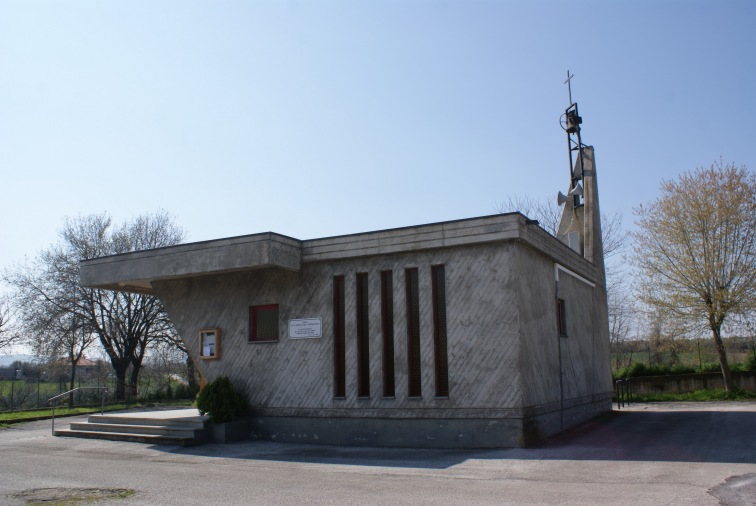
(134, 272)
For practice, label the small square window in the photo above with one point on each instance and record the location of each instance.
(263, 323)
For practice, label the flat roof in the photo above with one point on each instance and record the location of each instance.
(135, 271)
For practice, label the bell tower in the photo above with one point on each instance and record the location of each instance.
(580, 224)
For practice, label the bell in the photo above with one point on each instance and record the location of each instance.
(572, 122)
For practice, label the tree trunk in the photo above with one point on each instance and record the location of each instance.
(191, 380)
(120, 375)
(73, 384)
(134, 380)
(726, 374)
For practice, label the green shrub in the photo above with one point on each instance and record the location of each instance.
(698, 395)
(711, 367)
(219, 400)
(632, 371)
(683, 369)
(184, 392)
(639, 369)
(750, 363)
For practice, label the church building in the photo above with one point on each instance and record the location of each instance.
(475, 333)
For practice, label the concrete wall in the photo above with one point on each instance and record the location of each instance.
(503, 390)
(582, 389)
(295, 377)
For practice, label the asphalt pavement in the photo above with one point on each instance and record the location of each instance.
(670, 453)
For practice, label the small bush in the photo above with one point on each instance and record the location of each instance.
(683, 369)
(698, 395)
(632, 371)
(184, 392)
(750, 363)
(639, 369)
(711, 367)
(219, 400)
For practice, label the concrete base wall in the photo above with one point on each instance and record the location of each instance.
(459, 433)
(554, 421)
(386, 432)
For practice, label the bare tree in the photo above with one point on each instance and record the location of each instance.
(126, 324)
(67, 316)
(696, 250)
(173, 340)
(49, 312)
(7, 335)
(621, 317)
(548, 214)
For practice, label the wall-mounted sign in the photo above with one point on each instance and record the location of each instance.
(305, 328)
(209, 343)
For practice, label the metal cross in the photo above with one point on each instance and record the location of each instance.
(569, 87)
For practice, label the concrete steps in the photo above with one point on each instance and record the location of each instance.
(182, 427)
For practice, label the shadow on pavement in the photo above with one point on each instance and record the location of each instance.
(669, 436)
(675, 436)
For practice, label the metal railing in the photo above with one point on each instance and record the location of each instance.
(51, 400)
(623, 392)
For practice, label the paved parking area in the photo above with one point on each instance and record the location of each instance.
(674, 453)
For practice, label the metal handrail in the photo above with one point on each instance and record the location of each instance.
(51, 399)
(624, 392)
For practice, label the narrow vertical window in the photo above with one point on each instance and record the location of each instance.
(363, 336)
(439, 331)
(387, 327)
(339, 340)
(413, 333)
(561, 318)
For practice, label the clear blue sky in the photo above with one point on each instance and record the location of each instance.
(321, 118)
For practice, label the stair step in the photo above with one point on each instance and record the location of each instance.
(196, 422)
(126, 436)
(175, 427)
(164, 430)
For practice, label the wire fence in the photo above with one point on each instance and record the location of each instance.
(29, 394)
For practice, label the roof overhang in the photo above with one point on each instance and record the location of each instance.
(135, 272)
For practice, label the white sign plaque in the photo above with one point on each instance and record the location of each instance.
(305, 328)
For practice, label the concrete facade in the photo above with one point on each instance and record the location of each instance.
(512, 378)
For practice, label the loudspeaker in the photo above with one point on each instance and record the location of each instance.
(578, 190)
